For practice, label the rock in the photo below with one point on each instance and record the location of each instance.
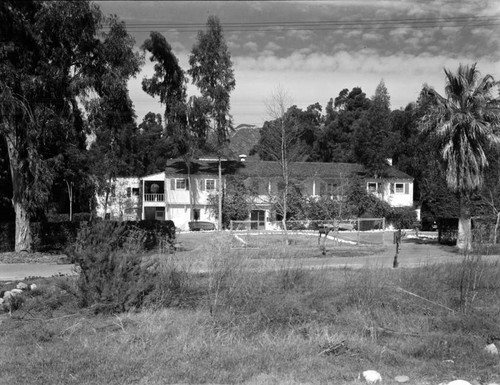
(33, 286)
(491, 349)
(459, 382)
(16, 291)
(371, 376)
(22, 286)
(1, 301)
(401, 379)
(7, 295)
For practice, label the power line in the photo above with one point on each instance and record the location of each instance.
(361, 24)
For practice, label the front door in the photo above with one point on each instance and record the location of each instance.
(258, 218)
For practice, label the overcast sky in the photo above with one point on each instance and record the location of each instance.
(314, 49)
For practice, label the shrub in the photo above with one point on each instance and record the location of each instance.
(402, 217)
(77, 217)
(53, 236)
(115, 273)
(155, 232)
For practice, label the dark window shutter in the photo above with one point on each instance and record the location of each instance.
(407, 188)
(187, 184)
(172, 184)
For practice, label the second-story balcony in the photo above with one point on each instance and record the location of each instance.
(154, 197)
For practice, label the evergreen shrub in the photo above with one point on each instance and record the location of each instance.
(53, 236)
(116, 274)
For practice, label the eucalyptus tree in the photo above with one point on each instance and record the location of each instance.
(111, 113)
(51, 54)
(184, 119)
(465, 123)
(212, 72)
(168, 80)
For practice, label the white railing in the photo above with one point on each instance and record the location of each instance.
(154, 197)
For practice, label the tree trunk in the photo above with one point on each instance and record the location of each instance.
(220, 195)
(464, 238)
(497, 223)
(70, 197)
(191, 190)
(106, 197)
(23, 229)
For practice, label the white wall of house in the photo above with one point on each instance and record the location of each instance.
(398, 193)
(181, 215)
(123, 200)
(180, 196)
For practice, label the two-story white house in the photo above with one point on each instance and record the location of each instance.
(174, 194)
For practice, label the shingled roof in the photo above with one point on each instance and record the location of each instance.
(268, 169)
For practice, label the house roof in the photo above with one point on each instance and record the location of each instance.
(268, 169)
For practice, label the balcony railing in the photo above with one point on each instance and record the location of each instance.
(154, 197)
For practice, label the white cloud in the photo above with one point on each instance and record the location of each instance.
(250, 45)
(302, 35)
(372, 36)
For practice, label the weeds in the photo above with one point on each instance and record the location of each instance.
(243, 321)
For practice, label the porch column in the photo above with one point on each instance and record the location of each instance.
(143, 197)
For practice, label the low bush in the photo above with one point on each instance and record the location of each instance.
(402, 217)
(53, 236)
(116, 274)
(77, 217)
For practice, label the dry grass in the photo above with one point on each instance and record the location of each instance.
(263, 325)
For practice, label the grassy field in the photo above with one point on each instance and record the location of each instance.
(232, 324)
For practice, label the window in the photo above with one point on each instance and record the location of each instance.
(210, 184)
(135, 191)
(372, 187)
(327, 188)
(399, 188)
(179, 184)
(160, 213)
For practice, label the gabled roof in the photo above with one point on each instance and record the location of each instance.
(269, 169)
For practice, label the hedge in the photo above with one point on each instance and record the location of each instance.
(57, 236)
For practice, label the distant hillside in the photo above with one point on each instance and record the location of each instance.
(244, 138)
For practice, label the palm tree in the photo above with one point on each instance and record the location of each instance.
(465, 124)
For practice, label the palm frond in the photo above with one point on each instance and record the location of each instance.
(465, 123)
